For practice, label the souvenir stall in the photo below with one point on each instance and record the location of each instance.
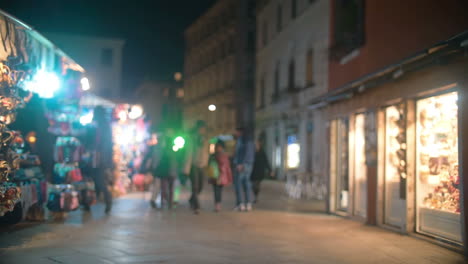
(64, 114)
(29, 64)
(31, 182)
(130, 132)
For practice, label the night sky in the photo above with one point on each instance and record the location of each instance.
(153, 29)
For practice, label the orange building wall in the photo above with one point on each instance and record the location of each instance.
(396, 29)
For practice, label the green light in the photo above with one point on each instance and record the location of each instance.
(179, 142)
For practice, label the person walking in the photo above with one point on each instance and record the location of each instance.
(220, 173)
(167, 168)
(196, 161)
(261, 168)
(102, 156)
(244, 158)
(150, 162)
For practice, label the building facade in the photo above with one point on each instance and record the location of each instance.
(219, 66)
(292, 69)
(396, 116)
(102, 57)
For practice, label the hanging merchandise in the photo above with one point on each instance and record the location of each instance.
(130, 132)
(10, 100)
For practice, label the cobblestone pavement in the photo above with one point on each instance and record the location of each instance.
(276, 232)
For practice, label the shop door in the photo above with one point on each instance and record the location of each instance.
(342, 172)
(360, 167)
(395, 159)
(437, 172)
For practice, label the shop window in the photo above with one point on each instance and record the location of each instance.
(293, 150)
(360, 168)
(310, 67)
(437, 177)
(279, 18)
(339, 163)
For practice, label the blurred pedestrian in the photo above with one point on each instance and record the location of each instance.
(150, 162)
(196, 161)
(102, 156)
(220, 173)
(167, 168)
(244, 158)
(261, 168)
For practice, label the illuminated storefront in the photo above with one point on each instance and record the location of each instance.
(360, 169)
(339, 165)
(395, 169)
(437, 170)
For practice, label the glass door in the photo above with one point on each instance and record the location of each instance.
(360, 167)
(342, 173)
(395, 160)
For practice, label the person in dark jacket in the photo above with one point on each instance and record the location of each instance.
(244, 157)
(167, 168)
(261, 168)
(102, 158)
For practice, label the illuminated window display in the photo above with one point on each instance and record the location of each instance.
(437, 180)
(293, 152)
(360, 168)
(395, 164)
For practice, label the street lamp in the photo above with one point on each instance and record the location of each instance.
(212, 107)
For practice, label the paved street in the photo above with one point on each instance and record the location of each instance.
(279, 232)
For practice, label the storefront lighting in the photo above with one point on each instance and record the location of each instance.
(122, 116)
(31, 138)
(212, 107)
(44, 83)
(135, 112)
(87, 119)
(293, 156)
(85, 86)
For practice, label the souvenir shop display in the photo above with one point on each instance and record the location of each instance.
(130, 132)
(62, 198)
(395, 164)
(438, 179)
(11, 98)
(63, 113)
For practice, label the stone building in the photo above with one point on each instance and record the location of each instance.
(219, 66)
(102, 57)
(292, 59)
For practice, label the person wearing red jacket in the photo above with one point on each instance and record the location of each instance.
(225, 173)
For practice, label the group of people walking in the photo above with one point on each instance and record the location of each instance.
(245, 169)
